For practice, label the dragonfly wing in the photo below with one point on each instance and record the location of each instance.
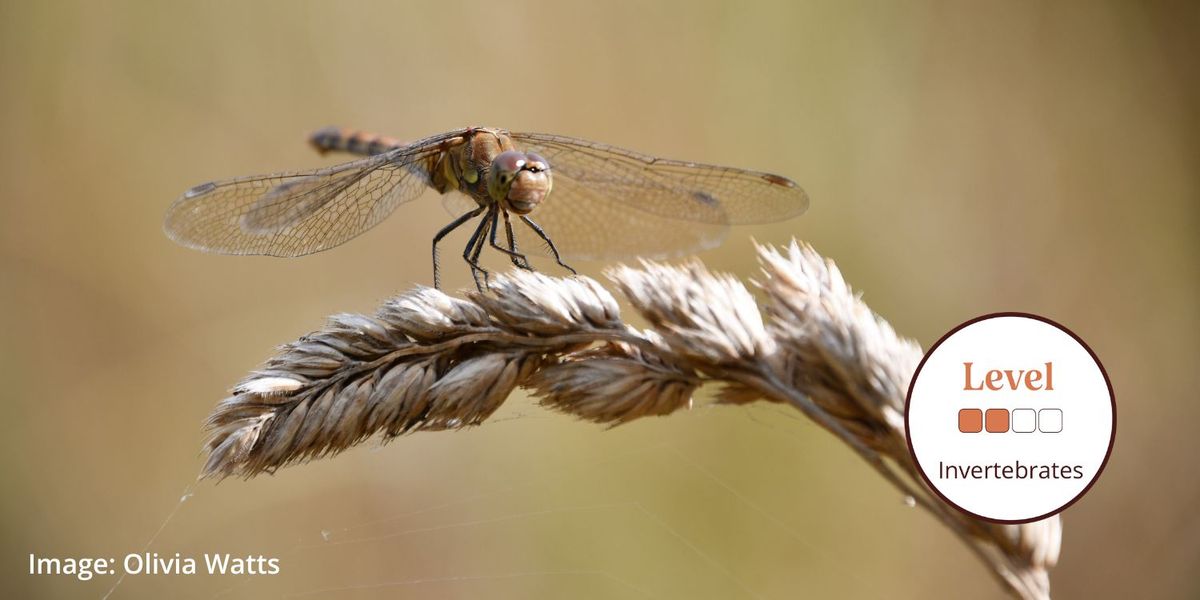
(588, 224)
(292, 214)
(592, 226)
(458, 203)
(682, 191)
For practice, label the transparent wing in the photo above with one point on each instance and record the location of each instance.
(609, 202)
(599, 227)
(670, 188)
(292, 214)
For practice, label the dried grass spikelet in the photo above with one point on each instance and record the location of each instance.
(541, 305)
(818, 320)
(708, 317)
(429, 361)
(614, 384)
(428, 315)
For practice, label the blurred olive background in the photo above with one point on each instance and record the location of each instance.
(962, 158)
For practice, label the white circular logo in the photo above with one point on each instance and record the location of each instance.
(1010, 417)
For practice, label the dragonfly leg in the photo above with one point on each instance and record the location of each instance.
(542, 234)
(519, 260)
(512, 243)
(441, 234)
(474, 248)
(479, 250)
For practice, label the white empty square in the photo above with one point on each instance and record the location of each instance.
(1024, 420)
(1050, 420)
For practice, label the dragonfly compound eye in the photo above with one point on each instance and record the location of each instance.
(506, 164)
(535, 162)
(502, 172)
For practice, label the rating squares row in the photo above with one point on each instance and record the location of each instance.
(1023, 420)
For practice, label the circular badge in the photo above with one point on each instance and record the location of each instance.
(1010, 417)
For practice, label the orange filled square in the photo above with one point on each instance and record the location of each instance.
(996, 420)
(970, 420)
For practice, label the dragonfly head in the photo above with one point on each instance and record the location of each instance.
(519, 181)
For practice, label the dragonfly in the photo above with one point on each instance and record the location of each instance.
(581, 199)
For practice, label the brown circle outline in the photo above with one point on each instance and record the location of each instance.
(1112, 398)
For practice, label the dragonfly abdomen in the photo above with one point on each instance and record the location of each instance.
(341, 139)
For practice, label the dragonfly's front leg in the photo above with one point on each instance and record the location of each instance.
(512, 243)
(519, 260)
(475, 247)
(441, 234)
(549, 242)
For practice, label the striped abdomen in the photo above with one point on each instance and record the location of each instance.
(355, 142)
